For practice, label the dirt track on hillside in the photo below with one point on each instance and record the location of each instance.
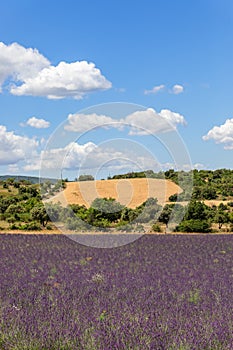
(129, 192)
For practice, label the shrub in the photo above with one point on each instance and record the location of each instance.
(15, 227)
(173, 197)
(32, 226)
(156, 228)
(75, 224)
(11, 219)
(140, 228)
(193, 226)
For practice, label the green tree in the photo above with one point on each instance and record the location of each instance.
(106, 208)
(221, 218)
(194, 225)
(164, 217)
(86, 178)
(197, 210)
(39, 213)
(53, 211)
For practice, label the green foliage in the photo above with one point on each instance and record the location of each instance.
(6, 202)
(106, 208)
(53, 211)
(49, 188)
(221, 217)
(177, 214)
(194, 225)
(173, 197)
(39, 214)
(164, 217)
(11, 219)
(139, 174)
(32, 226)
(204, 192)
(15, 208)
(80, 210)
(86, 178)
(139, 228)
(147, 211)
(207, 184)
(22, 205)
(156, 228)
(197, 210)
(171, 175)
(76, 224)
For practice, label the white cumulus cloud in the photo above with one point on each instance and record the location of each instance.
(177, 89)
(222, 134)
(139, 122)
(32, 74)
(80, 122)
(38, 123)
(149, 121)
(65, 80)
(19, 63)
(90, 156)
(68, 157)
(14, 148)
(155, 89)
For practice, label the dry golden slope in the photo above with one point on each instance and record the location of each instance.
(129, 192)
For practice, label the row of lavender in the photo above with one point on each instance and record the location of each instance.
(160, 292)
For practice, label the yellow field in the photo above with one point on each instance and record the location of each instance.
(129, 192)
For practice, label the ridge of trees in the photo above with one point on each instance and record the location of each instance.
(21, 207)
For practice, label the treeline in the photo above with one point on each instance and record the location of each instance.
(206, 184)
(28, 179)
(21, 207)
(138, 174)
(25, 211)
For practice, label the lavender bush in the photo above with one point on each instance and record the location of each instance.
(171, 292)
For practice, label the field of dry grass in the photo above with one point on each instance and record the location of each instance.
(129, 192)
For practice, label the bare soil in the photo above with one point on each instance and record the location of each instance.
(129, 192)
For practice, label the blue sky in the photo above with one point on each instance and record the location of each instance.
(58, 58)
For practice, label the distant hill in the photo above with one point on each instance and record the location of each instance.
(32, 179)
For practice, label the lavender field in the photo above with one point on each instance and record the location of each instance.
(171, 292)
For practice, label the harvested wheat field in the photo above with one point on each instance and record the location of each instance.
(129, 192)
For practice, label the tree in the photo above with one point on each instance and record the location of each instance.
(39, 213)
(86, 178)
(15, 208)
(209, 193)
(194, 225)
(149, 210)
(173, 197)
(53, 211)
(197, 210)
(106, 208)
(164, 217)
(221, 218)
